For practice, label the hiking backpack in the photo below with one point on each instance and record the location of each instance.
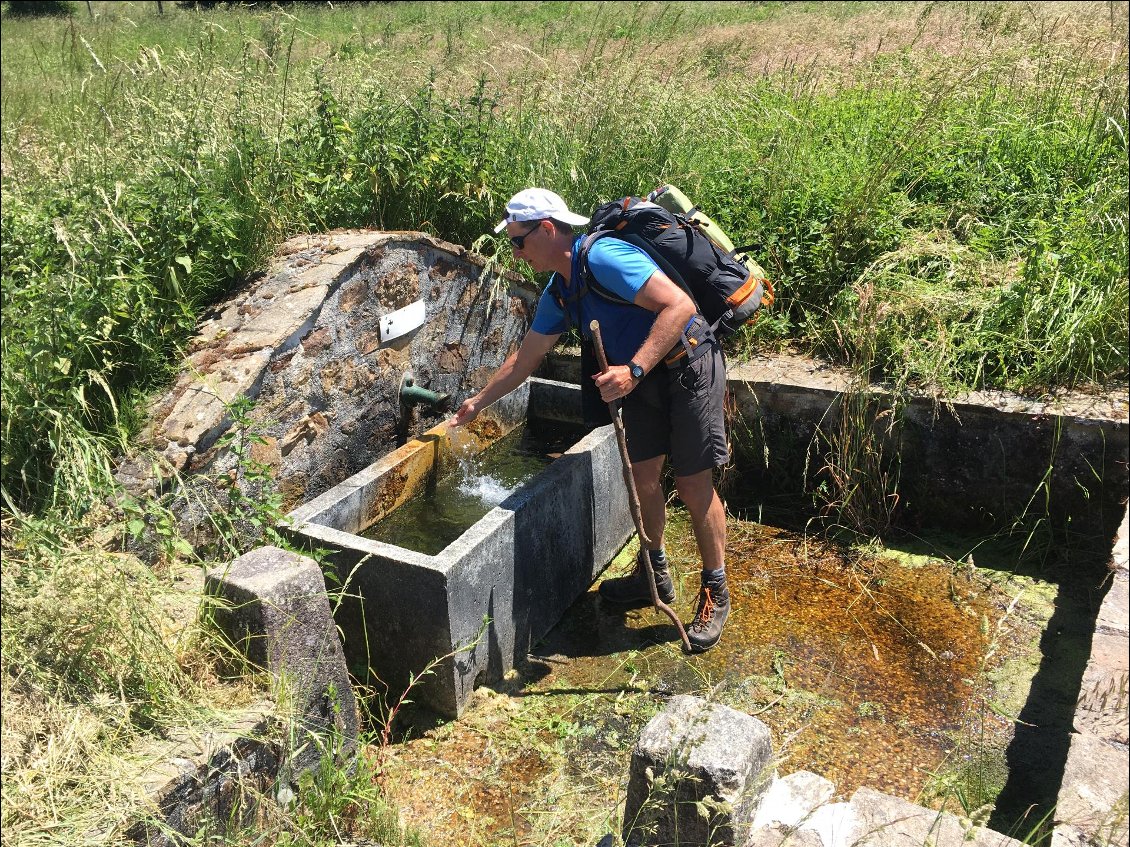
(726, 285)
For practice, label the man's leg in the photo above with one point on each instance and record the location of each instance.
(634, 588)
(708, 518)
(648, 476)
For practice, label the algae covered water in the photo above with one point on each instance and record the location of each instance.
(901, 672)
(471, 484)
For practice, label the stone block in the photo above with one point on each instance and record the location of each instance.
(697, 775)
(783, 836)
(1102, 709)
(1092, 806)
(279, 325)
(881, 820)
(200, 413)
(1120, 554)
(792, 799)
(330, 267)
(278, 614)
(197, 790)
(833, 824)
(1114, 613)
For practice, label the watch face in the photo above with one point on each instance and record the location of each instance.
(637, 372)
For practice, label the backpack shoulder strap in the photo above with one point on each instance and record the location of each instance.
(661, 262)
(589, 282)
(565, 302)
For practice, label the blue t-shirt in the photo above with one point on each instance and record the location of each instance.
(622, 269)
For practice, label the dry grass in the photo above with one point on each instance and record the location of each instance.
(837, 37)
(832, 40)
(101, 656)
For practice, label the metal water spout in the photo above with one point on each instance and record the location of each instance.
(412, 395)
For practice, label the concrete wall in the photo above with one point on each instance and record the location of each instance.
(480, 604)
(975, 463)
(1092, 803)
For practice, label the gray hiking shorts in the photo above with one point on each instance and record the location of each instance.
(679, 412)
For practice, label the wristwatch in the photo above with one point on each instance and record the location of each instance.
(637, 371)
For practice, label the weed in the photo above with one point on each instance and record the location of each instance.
(857, 489)
(333, 802)
(251, 492)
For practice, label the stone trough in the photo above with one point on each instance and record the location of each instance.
(517, 569)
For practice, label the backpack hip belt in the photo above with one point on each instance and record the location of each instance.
(696, 337)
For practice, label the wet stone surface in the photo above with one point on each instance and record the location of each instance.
(868, 671)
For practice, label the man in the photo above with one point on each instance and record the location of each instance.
(672, 402)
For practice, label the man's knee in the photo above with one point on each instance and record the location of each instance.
(648, 475)
(696, 491)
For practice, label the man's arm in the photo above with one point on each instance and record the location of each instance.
(673, 309)
(514, 371)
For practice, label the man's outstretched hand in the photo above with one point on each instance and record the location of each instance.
(466, 413)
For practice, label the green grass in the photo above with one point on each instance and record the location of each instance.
(151, 163)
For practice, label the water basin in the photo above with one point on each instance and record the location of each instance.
(469, 484)
(470, 609)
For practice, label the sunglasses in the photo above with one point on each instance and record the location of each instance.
(519, 241)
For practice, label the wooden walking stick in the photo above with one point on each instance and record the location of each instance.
(633, 495)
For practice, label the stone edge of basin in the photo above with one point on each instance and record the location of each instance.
(785, 371)
(1092, 803)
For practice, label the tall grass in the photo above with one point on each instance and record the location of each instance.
(983, 197)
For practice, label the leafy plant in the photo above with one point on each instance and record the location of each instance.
(252, 497)
(334, 802)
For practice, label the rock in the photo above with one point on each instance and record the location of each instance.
(697, 774)
(278, 614)
(883, 820)
(792, 799)
(304, 432)
(1102, 707)
(279, 323)
(200, 413)
(1092, 802)
(835, 824)
(206, 784)
(783, 836)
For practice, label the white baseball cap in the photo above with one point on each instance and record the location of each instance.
(536, 204)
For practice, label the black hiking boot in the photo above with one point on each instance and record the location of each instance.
(713, 609)
(632, 590)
